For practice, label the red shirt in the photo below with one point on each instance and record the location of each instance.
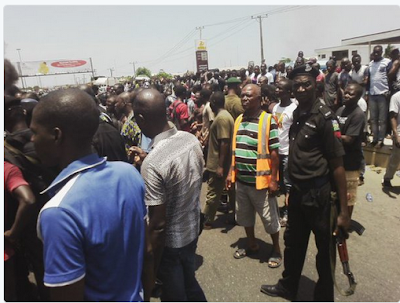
(12, 180)
(182, 113)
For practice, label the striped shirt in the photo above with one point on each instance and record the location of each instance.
(246, 148)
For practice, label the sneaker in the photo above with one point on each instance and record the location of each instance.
(379, 144)
(360, 181)
(386, 183)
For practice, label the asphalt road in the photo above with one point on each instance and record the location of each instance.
(374, 256)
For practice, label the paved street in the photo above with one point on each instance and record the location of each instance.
(374, 257)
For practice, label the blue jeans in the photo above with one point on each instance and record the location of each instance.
(177, 273)
(378, 108)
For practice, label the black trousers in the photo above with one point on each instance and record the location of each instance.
(309, 210)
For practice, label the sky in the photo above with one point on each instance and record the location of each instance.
(163, 36)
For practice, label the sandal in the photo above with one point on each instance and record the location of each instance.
(241, 253)
(275, 260)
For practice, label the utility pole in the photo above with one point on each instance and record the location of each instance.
(111, 70)
(260, 17)
(134, 68)
(20, 68)
(200, 28)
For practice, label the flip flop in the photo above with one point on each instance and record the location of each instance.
(275, 258)
(241, 253)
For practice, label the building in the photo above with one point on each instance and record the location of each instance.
(362, 45)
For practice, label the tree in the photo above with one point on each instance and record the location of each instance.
(164, 75)
(143, 71)
(286, 60)
(388, 50)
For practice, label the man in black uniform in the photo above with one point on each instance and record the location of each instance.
(315, 155)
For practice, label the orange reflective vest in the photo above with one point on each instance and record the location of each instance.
(263, 164)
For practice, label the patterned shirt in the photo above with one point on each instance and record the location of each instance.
(173, 172)
(246, 148)
(131, 132)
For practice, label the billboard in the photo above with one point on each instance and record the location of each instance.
(202, 60)
(53, 67)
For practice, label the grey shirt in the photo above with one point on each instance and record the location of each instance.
(173, 172)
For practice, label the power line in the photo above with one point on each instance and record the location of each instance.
(241, 20)
(182, 42)
(249, 22)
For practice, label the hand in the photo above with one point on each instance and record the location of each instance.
(219, 172)
(273, 188)
(396, 141)
(342, 225)
(8, 236)
(136, 155)
(228, 182)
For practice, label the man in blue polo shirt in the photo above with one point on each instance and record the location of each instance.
(93, 227)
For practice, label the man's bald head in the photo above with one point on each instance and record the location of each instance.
(150, 103)
(71, 110)
(150, 112)
(251, 98)
(255, 87)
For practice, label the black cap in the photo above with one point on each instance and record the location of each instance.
(306, 69)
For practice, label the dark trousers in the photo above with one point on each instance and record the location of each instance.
(177, 273)
(309, 210)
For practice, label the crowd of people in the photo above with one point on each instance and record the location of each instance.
(102, 189)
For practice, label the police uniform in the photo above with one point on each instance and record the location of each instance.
(314, 140)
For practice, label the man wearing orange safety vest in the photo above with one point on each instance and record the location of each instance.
(255, 165)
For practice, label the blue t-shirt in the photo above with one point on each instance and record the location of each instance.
(93, 228)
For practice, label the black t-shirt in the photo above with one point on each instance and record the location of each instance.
(352, 122)
(108, 143)
(314, 139)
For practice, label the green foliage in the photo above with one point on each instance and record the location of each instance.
(388, 49)
(164, 75)
(286, 60)
(143, 71)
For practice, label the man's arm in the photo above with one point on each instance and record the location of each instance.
(393, 123)
(393, 71)
(26, 200)
(73, 292)
(347, 140)
(223, 154)
(157, 223)
(343, 219)
(273, 186)
(148, 274)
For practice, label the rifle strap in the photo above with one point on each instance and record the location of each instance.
(20, 153)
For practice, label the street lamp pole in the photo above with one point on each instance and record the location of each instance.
(134, 68)
(20, 68)
(261, 35)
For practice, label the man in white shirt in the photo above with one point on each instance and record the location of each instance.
(283, 112)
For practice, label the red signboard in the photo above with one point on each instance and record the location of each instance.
(68, 63)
